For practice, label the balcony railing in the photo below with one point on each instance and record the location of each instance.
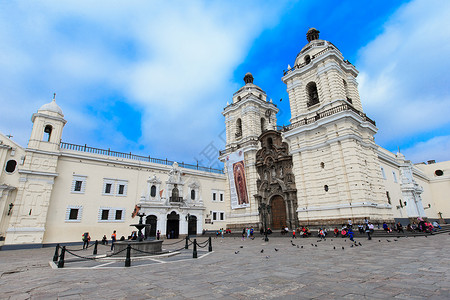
(175, 199)
(326, 113)
(108, 152)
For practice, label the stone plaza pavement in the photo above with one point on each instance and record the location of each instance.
(409, 268)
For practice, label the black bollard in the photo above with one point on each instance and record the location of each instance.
(95, 247)
(128, 258)
(194, 253)
(61, 257)
(186, 246)
(210, 245)
(55, 256)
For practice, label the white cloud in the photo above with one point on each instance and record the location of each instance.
(172, 59)
(436, 148)
(404, 74)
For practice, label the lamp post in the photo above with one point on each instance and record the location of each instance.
(188, 218)
(264, 209)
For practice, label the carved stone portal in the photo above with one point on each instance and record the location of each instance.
(276, 183)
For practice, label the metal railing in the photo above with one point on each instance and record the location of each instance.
(108, 152)
(326, 113)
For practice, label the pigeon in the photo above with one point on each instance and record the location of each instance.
(379, 241)
(315, 245)
(236, 252)
(334, 247)
(342, 247)
(302, 247)
(356, 245)
(395, 240)
(345, 240)
(331, 239)
(293, 244)
(359, 243)
(388, 241)
(267, 257)
(351, 245)
(426, 236)
(262, 250)
(312, 245)
(242, 246)
(276, 249)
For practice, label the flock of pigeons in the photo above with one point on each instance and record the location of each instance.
(353, 244)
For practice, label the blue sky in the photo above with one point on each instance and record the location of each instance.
(152, 77)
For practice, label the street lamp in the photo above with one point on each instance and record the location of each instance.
(264, 209)
(188, 218)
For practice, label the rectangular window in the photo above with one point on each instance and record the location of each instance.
(395, 176)
(222, 216)
(214, 196)
(78, 184)
(121, 189)
(118, 215)
(383, 173)
(108, 188)
(221, 197)
(214, 216)
(388, 197)
(105, 214)
(73, 213)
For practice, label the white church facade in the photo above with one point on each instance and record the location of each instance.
(322, 169)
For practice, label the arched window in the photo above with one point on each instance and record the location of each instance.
(175, 195)
(47, 133)
(153, 191)
(270, 142)
(238, 128)
(347, 94)
(192, 194)
(313, 95)
(263, 125)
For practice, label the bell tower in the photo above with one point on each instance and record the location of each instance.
(246, 118)
(48, 124)
(29, 218)
(331, 139)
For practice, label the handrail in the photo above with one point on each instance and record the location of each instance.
(325, 113)
(109, 152)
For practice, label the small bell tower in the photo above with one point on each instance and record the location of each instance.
(246, 118)
(48, 124)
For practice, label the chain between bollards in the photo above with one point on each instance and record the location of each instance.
(194, 253)
(61, 257)
(128, 258)
(55, 256)
(95, 248)
(186, 246)
(210, 245)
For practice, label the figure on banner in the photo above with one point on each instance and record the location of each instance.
(239, 180)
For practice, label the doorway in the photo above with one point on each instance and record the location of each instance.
(173, 225)
(278, 213)
(192, 225)
(152, 221)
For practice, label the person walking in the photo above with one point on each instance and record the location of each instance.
(158, 234)
(113, 240)
(86, 238)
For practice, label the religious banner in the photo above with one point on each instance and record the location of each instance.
(238, 183)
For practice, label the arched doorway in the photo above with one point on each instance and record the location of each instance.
(152, 220)
(173, 225)
(192, 225)
(278, 212)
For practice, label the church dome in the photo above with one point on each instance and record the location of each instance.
(52, 107)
